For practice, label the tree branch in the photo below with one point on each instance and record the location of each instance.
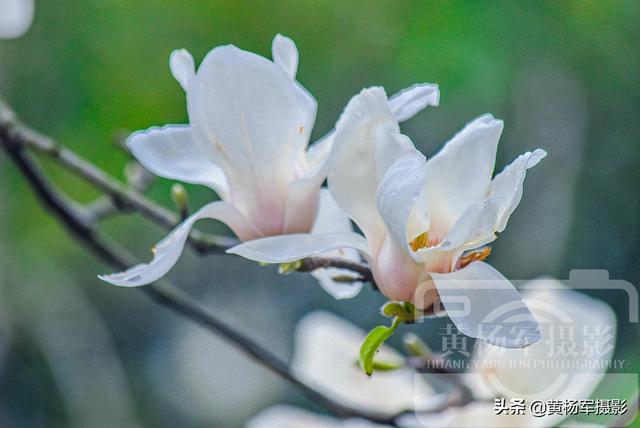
(80, 222)
(124, 197)
(129, 198)
(162, 292)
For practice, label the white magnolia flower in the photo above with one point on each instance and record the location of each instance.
(325, 356)
(567, 365)
(419, 217)
(250, 122)
(15, 17)
(553, 305)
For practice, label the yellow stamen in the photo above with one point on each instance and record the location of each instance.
(420, 241)
(474, 256)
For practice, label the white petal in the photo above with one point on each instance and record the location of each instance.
(326, 351)
(563, 314)
(474, 228)
(302, 200)
(353, 168)
(256, 120)
(288, 248)
(479, 223)
(332, 219)
(410, 101)
(182, 67)
(319, 152)
(285, 53)
(509, 183)
(403, 105)
(15, 17)
(389, 145)
(284, 416)
(171, 153)
(460, 174)
(167, 251)
(484, 304)
(397, 194)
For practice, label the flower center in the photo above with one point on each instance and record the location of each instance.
(423, 241)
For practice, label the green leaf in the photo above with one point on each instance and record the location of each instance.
(287, 268)
(372, 343)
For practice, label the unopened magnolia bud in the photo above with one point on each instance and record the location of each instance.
(180, 198)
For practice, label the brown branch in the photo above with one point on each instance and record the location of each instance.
(124, 197)
(129, 198)
(81, 221)
(162, 292)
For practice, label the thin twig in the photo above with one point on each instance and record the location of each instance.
(124, 197)
(312, 263)
(162, 292)
(130, 198)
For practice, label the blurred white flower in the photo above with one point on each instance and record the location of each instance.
(250, 122)
(326, 356)
(282, 416)
(15, 17)
(419, 217)
(560, 367)
(322, 338)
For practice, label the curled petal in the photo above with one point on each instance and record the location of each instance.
(474, 228)
(289, 248)
(404, 105)
(182, 67)
(285, 53)
(170, 152)
(167, 251)
(410, 101)
(507, 186)
(353, 176)
(484, 304)
(397, 194)
(479, 223)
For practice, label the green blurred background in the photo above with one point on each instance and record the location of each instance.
(76, 352)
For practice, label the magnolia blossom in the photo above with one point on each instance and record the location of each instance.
(321, 356)
(15, 17)
(421, 219)
(325, 356)
(249, 126)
